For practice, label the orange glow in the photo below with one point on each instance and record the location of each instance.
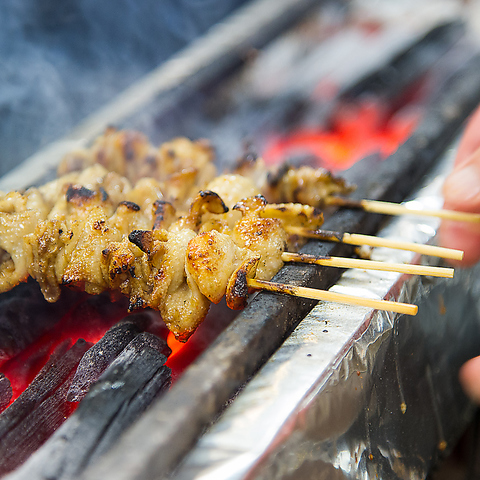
(174, 344)
(356, 131)
(85, 320)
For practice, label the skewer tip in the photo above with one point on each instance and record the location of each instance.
(329, 296)
(343, 262)
(389, 208)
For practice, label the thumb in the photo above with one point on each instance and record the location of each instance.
(461, 189)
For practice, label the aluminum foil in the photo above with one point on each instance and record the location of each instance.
(355, 393)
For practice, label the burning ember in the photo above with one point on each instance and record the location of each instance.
(355, 132)
(92, 343)
(42, 384)
(88, 319)
(37, 379)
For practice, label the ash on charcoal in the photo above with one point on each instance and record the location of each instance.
(40, 409)
(101, 355)
(5, 391)
(124, 390)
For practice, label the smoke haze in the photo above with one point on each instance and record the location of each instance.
(60, 61)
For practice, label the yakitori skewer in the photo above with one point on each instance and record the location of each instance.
(328, 296)
(389, 208)
(342, 262)
(372, 241)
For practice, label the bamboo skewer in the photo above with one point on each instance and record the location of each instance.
(388, 208)
(316, 294)
(369, 265)
(372, 241)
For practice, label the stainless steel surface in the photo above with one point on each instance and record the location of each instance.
(354, 393)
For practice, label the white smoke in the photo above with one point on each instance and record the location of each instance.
(60, 61)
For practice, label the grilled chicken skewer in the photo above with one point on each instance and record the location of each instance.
(94, 231)
(320, 189)
(328, 296)
(358, 239)
(389, 208)
(183, 168)
(155, 259)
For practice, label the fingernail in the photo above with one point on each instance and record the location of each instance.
(463, 185)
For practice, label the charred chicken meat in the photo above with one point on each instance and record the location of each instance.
(175, 240)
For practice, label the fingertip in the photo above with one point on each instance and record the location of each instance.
(461, 188)
(461, 236)
(469, 377)
(470, 141)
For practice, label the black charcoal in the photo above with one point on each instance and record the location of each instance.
(125, 389)
(99, 357)
(60, 366)
(40, 409)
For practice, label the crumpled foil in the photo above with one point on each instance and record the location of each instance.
(355, 393)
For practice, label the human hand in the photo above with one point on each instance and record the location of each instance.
(461, 192)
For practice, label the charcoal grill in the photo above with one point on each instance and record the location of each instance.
(353, 380)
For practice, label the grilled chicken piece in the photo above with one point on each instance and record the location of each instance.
(265, 237)
(185, 168)
(212, 258)
(231, 189)
(182, 167)
(127, 153)
(307, 185)
(19, 216)
(174, 292)
(287, 184)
